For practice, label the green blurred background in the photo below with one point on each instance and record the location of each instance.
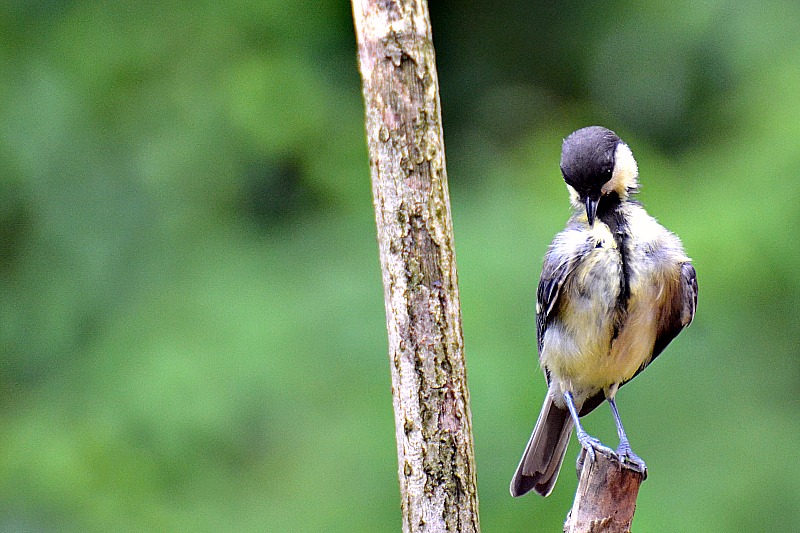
(191, 307)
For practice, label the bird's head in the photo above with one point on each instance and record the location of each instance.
(596, 164)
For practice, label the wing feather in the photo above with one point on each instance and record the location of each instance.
(560, 261)
(672, 321)
(679, 313)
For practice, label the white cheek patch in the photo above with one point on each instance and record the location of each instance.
(574, 197)
(625, 172)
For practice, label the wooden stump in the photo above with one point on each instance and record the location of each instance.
(605, 499)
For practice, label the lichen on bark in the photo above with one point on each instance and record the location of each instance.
(415, 238)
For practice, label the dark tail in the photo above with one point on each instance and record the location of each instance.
(538, 469)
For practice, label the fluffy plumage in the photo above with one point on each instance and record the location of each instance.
(616, 288)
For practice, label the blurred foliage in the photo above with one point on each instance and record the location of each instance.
(191, 307)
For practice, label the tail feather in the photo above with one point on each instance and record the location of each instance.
(538, 469)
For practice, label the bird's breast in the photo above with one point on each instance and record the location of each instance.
(577, 341)
(605, 324)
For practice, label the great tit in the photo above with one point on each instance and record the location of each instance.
(616, 288)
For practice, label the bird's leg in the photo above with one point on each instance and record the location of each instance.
(624, 450)
(589, 443)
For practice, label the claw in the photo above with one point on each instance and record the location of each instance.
(632, 460)
(624, 451)
(591, 444)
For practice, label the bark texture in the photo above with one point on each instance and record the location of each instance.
(605, 499)
(415, 237)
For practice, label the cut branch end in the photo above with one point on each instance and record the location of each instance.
(605, 499)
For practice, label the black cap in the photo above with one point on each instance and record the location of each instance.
(587, 159)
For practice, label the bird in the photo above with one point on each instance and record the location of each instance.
(616, 287)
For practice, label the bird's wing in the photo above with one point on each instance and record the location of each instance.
(680, 311)
(673, 318)
(561, 259)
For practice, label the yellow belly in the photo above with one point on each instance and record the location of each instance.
(579, 348)
(591, 344)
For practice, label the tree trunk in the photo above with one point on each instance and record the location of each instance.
(415, 238)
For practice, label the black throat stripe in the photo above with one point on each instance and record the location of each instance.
(609, 211)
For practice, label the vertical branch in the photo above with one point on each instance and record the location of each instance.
(605, 499)
(415, 238)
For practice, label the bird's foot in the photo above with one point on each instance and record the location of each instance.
(630, 459)
(591, 445)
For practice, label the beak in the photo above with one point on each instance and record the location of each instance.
(591, 209)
